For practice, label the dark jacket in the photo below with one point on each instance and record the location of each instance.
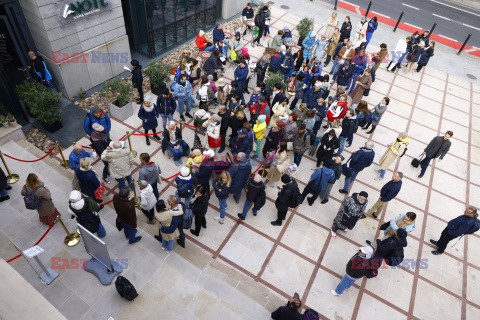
(255, 190)
(386, 247)
(241, 74)
(425, 56)
(286, 313)
(372, 26)
(361, 159)
(211, 64)
(345, 30)
(461, 225)
(166, 106)
(218, 35)
(333, 144)
(242, 145)
(278, 97)
(390, 190)
(86, 216)
(273, 140)
(3, 180)
(311, 97)
(276, 61)
(101, 144)
(348, 126)
(336, 167)
(260, 19)
(200, 205)
(285, 195)
(205, 171)
(88, 182)
(240, 172)
(38, 66)
(301, 142)
(358, 266)
(248, 13)
(344, 75)
(236, 125)
(184, 186)
(219, 185)
(125, 211)
(166, 139)
(149, 118)
(435, 148)
(266, 93)
(137, 77)
(223, 122)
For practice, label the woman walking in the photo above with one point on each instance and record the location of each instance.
(222, 190)
(199, 208)
(280, 165)
(425, 56)
(395, 149)
(38, 197)
(353, 208)
(375, 116)
(372, 26)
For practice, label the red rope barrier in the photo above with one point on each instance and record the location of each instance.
(39, 240)
(105, 203)
(189, 125)
(122, 137)
(176, 174)
(86, 147)
(146, 134)
(259, 167)
(6, 155)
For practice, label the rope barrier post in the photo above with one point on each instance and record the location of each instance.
(72, 239)
(368, 8)
(335, 6)
(398, 22)
(263, 172)
(135, 200)
(134, 153)
(11, 178)
(459, 51)
(65, 163)
(433, 28)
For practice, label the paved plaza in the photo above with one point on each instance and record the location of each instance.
(246, 269)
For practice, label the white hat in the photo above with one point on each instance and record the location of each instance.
(313, 34)
(185, 172)
(97, 127)
(209, 152)
(75, 196)
(147, 99)
(283, 47)
(368, 251)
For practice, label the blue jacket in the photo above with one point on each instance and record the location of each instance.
(242, 145)
(339, 47)
(184, 186)
(461, 225)
(240, 172)
(218, 35)
(386, 247)
(177, 222)
(390, 190)
(372, 26)
(74, 158)
(88, 182)
(149, 119)
(287, 35)
(311, 97)
(321, 111)
(306, 43)
(183, 92)
(276, 61)
(218, 185)
(289, 63)
(425, 56)
(344, 75)
(359, 63)
(253, 99)
(205, 171)
(322, 176)
(318, 70)
(166, 106)
(178, 73)
(241, 74)
(104, 120)
(393, 224)
(361, 159)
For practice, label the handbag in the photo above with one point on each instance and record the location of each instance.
(416, 161)
(118, 224)
(215, 143)
(366, 92)
(385, 225)
(100, 191)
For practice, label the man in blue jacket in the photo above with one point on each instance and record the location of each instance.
(75, 156)
(358, 161)
(318, 182)
(467, 223)
(218, 33)
(242, 143)
(359, 63)
(388, 192)
(312, 95)
(241, 74)
(167, 105)
(96, 115)
(239, 172)
(276, 61)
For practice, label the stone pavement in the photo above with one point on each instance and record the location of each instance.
(246, 269)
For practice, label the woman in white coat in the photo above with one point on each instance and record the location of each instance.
(361, 32)
(147, 200)
(213, 132)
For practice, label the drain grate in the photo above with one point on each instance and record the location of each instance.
(270, 2)
(284, 7)
(471, 76)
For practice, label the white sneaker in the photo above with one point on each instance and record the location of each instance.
(334, 235)
(220, 220)
(334, 293)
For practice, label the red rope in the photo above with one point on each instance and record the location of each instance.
(259, 167)
(86, 147)
(6, 155)
(189, 125)
(105, 203)
(39, 240)
(122, 137)
(145, 134)
(176, 174)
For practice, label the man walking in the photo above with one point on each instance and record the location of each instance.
(286, 198)
(388, 192)
(301, 143)
(437, 148)
(348, 127)
(467, 223)
(318, 182)
(126, 215)
(120, 163)
(260, 24)
(167, 105)
(358, 161)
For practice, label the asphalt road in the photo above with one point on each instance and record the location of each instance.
(454, 21)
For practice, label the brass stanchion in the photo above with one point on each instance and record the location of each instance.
(263, 172)
(12, 177)
(135, 200)
(65, 163)
(72, 239)
(134, 153)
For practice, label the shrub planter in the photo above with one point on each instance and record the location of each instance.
(157, 90)
(121, 113)
(52, 127)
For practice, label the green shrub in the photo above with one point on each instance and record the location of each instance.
(275, 78)
(304, 26)
(42, 102)
(120, 90)
(158, 72)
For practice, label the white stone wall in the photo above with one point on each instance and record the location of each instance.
(233, 7)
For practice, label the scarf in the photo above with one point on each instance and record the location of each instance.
(402, 223)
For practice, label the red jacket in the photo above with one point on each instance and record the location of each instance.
(337, 111)
(201, 42)
(253, 111)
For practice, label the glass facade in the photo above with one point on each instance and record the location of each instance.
(159, 25)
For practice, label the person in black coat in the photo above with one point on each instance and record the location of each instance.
(425, 56)
(437, 148)
(242, 143)
(4, 186)
(149, 113)
(328, 144)
(279, 96)
(137, 79)
(222, 112)
(199, 208)
(346, 29)
(247, 14)
(285, 195)
(343, 75)
(348, 128)
(335, 164)
(273, 138)
(213, 65)
(204, 172)
(260, 24)
(255, 189)
(261, 70)
(385, 248)
(236, 124)
(289, 312)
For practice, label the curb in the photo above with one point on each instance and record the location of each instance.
(443, 40)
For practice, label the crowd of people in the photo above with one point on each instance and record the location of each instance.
(265, 128)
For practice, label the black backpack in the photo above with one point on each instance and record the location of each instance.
(125, 288)
(295, 199)
(395, 258)
(257, 20)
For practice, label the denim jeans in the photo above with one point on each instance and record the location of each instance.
(424, 164)
(342, 144)
(297, 158)
(182, 102)
(349, 180)
(101, 230)
(223, 207)
(382, 173)
(165, 120)
(209, 48)
(167, 244)
(351, 82)
(350, 139)
(345, 283)
(4, 193)
(177, 153)
(121, 182)
(155, 190)
(335, 63)
(186, 201)
(129, 232)
(245, 208)
(335, 71)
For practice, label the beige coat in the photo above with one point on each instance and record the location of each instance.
(363, 82)
(331, 25)
(278, 110)
(392, 153)
(283, 163)
(120, 162)
(165, 219)
(47, 207)
(333, 44)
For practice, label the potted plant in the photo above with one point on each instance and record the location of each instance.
(159, 74)
(11, 119)
(304, 26)
(42, 103)
(121, 91)
(3, 120)
(275, 78)
(82, 94)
